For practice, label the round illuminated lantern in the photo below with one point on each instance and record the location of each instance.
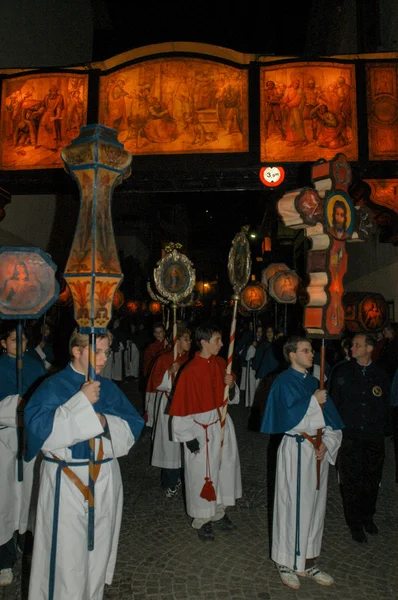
(272, 176)
(253, 298)
(155, 308)
(133, 306)
(118, 299)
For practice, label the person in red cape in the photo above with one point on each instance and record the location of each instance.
(166, 454)
(211, 484)
(151, 352)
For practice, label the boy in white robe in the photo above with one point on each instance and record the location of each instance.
(62, 416)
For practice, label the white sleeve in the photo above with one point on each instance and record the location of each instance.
(332, 439)
(8, 411)
(313, 418)
(250, 353)
(75, 421)
(184, 429)
(166, 383)
(236, 397)
(121, 436)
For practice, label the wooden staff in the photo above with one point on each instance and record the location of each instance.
(231, 346)
(174, 307)
(318, 440)
(20, 425)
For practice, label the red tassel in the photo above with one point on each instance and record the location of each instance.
(208, 492)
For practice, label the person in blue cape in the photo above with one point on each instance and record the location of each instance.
(15, 495)
(296, 408)
(64, 413)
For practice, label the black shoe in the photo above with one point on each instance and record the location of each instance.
(358, 535)
(205, 533)
(224, 524)
(371, 528)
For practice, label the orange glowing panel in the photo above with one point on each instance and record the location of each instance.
(382, 108)
(384, 192)
(307, 109)
(177, 106)
(40, 115)
(313, 318)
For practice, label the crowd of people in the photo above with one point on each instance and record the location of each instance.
(74, 428)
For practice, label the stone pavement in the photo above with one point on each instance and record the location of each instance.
(161, 557)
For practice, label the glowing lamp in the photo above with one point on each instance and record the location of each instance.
(155, 308)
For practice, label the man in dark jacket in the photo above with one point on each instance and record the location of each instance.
(361, 391)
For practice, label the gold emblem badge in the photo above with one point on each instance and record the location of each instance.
(377, 391)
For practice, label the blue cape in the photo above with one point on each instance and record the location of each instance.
(264, 361)
(289, 399)
(55, 391)
(32, 371)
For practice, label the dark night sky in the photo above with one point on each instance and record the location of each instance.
(245, 26)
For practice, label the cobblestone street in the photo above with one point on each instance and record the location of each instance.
(161, 557)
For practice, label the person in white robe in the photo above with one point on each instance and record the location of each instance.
(166, 453)
(212, 475)
(16, 476)
(62, 416)
(297, 408)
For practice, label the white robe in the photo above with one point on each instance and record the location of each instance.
(15, 496)
(131, 359)
(251, 382)
(166, 454)
(226, 478)
(312, 502)
(79, 574)
(150, 398)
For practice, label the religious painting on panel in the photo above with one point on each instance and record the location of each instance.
(307, 110)
(177, 106)
(40, 114)
(382, 110)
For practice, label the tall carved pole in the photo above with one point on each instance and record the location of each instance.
(98, 163)
(239, 267)
(174, 279)
(331, 221)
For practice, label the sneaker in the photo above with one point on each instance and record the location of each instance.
(371, 528)
(205, 533)
(224, 524)
(6, 577)
(288, 577)
(172, 492)
(317, 575)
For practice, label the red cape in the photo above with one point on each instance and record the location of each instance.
(150, 354)
(200, 386)
(162, 363)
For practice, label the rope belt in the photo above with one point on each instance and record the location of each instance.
(64, 467)
(205, 427)
(300, 438)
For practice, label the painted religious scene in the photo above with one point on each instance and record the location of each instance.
(307, 110)
(382, 110)
(179, 106)
(40, 114)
